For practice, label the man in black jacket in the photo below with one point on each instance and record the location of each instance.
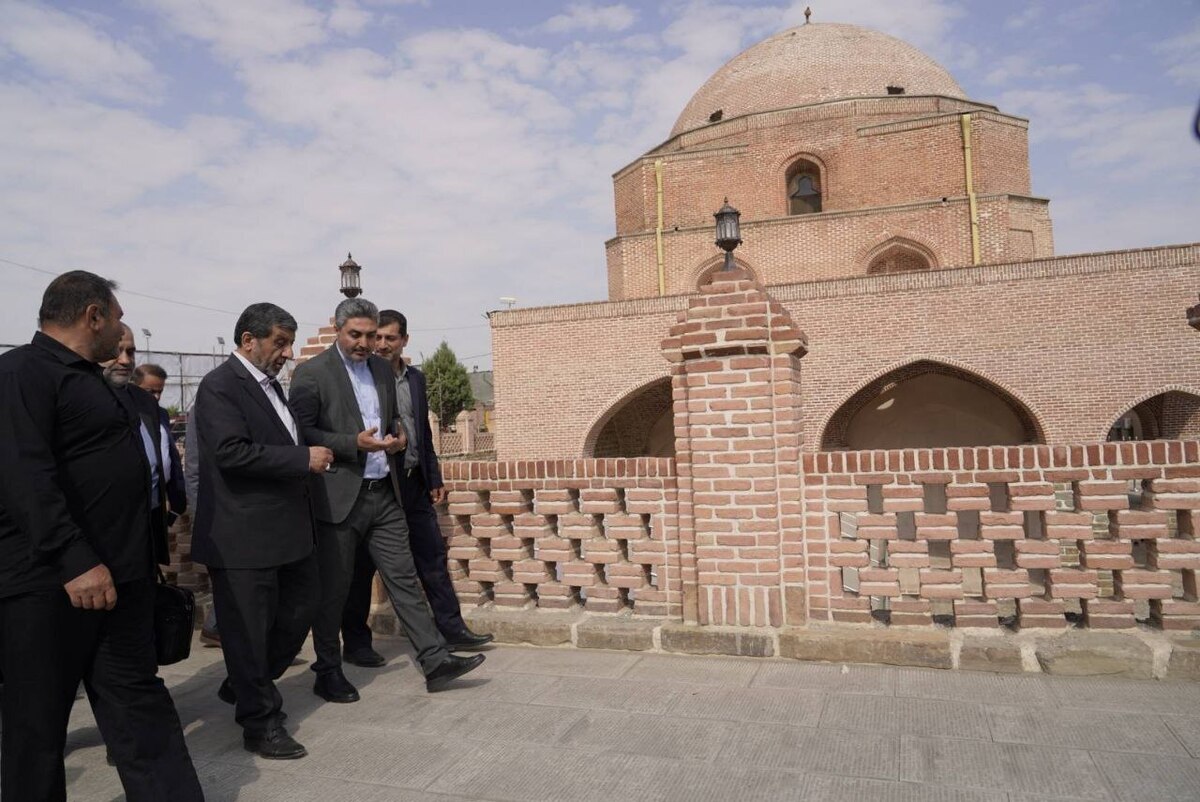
(421, 489)
(167, 497)
(254, 526)
(76, 559)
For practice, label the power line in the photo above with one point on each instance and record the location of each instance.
(213, 308)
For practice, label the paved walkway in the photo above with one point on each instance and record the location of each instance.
(543, 724)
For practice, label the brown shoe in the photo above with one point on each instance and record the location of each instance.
(210, 637)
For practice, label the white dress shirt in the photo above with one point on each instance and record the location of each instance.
(264, 381)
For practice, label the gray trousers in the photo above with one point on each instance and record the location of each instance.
(378, 520)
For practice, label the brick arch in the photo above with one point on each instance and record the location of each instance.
(627, 423)
(1126, 408)
(787, 167)
(835, 425)
(921, 256)
(703, 272)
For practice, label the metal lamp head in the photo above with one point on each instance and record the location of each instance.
(729, 233)
(1193, 316)
(351, 285)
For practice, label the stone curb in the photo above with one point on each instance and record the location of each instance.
(1139, 654)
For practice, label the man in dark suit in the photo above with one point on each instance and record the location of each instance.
(153, 379)
(254, 526)
(76, 559)
(345, 398)
(421, 488)
(167, 497)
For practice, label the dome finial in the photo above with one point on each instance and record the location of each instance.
(807, 13)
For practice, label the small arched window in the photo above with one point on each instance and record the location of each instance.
(804, 190)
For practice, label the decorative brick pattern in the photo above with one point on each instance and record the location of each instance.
(1101, 536)
(598, 533)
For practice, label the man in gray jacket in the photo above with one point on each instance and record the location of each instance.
(345, 399)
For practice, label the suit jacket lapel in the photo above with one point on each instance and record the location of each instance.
(255, 391)
(385, 386)
(341, 377)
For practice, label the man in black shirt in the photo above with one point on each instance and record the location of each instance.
(76, 560)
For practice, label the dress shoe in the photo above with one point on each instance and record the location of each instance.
(332, 686)
(365, 657)
(466, 641)
(275, 744)
(210, 637)
(451, 669)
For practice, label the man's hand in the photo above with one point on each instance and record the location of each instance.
(437, 495)
(319, 459)
(367, 441)
(93, 589)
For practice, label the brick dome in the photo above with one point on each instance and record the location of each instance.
(814, 63)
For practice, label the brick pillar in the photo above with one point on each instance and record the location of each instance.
(465, 423)
(435, 428)
(736, 395)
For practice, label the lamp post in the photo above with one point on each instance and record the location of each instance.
(729, 234)
(351, 285)
(146, 332)
(1193, 317)
(221, 342)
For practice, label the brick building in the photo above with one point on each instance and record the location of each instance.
(891, 217)
(886, 425)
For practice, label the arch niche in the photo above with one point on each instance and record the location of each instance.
(900, 255)
(1169, 415)
(640, 424)
(929, 404)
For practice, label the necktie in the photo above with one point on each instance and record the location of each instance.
(275, 385)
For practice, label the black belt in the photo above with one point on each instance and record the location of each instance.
(374, 484)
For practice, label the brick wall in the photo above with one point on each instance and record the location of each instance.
(890, 167)
(1101, 536)
(1077, 340)
(601, 534)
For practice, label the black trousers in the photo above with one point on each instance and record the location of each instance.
(429, 555)
(48, 648)
(263, 615)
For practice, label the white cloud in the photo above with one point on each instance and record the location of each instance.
(1024, 18)
(1025, 67)
(1182, 56)
(348, 18)
(238, 29)
(60, 46)
(588, 17)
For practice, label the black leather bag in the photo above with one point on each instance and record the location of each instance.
(174, 620)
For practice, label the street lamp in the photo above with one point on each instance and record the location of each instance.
(351, 286)
(728, 232)
(221, 342)
(1193, 316)
(146, 332)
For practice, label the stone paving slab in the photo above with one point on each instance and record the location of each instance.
(579, 725)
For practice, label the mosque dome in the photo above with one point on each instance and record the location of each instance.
(811, 64)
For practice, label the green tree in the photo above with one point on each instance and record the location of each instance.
(448, 386)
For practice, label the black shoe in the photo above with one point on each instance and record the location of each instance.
(332, 686)
(274, 744)
(365, 657)
(466, 641)
(453, 668)
(210, 637)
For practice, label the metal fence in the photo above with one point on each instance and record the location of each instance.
(184, 372)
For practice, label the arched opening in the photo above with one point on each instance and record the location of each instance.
(929, 404)
(899, 256)
(714, 265)
(1172, 415)
(639, 425)
(804, 187)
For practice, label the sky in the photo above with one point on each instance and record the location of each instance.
(208, 154)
